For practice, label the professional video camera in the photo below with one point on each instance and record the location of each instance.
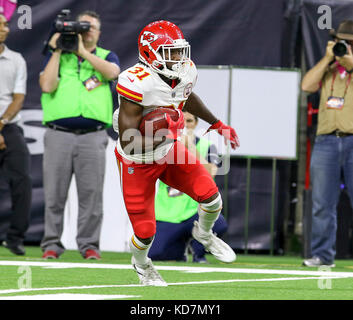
(68, 40)
(69, 30)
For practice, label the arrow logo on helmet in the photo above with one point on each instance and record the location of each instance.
(147, 38)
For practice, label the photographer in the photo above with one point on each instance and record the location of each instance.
(77, 107)
(332, 152)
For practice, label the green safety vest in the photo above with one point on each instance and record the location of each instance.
(177, 207)
(72, 99)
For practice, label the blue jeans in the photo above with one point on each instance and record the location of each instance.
(331, 156)
(171, 239)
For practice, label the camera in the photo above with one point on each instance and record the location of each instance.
(340, 48)
(69, 30)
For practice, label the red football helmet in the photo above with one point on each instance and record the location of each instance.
(156, 42)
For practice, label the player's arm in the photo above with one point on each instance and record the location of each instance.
(131, 140)
(195, 106)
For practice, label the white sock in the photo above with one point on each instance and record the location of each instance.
(209, 213)
(139, 250)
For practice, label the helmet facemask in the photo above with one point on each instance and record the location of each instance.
(164, 55)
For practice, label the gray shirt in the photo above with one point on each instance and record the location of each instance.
(13, 77)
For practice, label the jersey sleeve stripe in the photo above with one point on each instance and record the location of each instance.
(129, 93)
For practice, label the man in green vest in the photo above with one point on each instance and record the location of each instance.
(176, 211)
(77, 107)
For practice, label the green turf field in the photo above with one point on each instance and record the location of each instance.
(251, 277)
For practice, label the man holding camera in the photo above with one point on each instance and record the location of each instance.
(332, 152)
(77, 107)
(14, 154)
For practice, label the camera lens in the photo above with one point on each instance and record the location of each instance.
(339, 49)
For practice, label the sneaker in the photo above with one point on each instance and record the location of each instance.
(91, 254)
(17, 249)
(316, 262)
(148, 275)
(213, 244)
(50, 254)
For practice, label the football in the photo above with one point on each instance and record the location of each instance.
(157, 119)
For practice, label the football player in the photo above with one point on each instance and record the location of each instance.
(164, 77)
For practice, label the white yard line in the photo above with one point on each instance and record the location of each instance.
(309, 274)
(8, 291)
(67, 288)
(190, 269)
(254, 280)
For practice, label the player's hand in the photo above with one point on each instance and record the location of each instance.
(2, 142)
(227, 132)
(174, 127)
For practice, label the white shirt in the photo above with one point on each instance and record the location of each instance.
(145, 87)
(13, 78)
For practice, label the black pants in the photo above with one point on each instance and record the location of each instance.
(15, 169)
